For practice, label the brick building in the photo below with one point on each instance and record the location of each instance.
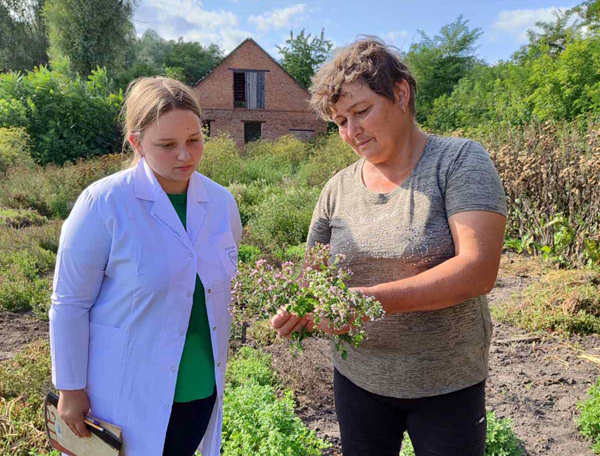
(250, 96)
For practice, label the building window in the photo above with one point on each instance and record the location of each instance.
(252, 131)
(249, 89)
(206, 127)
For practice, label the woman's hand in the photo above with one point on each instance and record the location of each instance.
(286, 323)
(72, 405)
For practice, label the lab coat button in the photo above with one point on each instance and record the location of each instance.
(189, 294)
(173, 369)
(191, 254)
(165, 406)
(209, 290)
(214, 328)
(218, 364)
(182, 333)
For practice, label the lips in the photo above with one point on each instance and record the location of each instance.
(365, 142)
(184, 168)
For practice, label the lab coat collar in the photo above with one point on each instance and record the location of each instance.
(147, 187)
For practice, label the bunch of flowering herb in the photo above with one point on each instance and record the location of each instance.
(261, 291)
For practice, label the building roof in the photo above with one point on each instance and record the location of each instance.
(265, 52)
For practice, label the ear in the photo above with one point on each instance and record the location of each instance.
(402, 94)
(134, 140)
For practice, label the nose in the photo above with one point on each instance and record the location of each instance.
(183, 154)
(354, 128)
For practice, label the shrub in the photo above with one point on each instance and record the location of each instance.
(52, 190)
(282, 220)
(24, 381)
(287, 149)
(21, 218)
(248, 253)
(249, 195)
(221, 160)
(14, 148)
(255, 420)
(67, 117)
(331, 154)
(565, 301)
(589, 416)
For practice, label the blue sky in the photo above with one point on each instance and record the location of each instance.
(228, 22)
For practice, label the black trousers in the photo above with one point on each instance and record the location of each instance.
(451, 424)
(187, 426)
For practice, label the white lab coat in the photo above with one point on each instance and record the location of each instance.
(123, 290)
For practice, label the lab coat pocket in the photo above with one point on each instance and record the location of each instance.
(227, 250)
(104, 368)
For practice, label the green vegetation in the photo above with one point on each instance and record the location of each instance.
(500, 439)
(563, 301)
(589, 417)
(24, 381)
(256, 419)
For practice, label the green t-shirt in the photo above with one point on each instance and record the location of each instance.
(196, 376)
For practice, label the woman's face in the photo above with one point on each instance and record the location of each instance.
(370, 123)
(172, 146)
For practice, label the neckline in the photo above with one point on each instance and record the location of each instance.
(177, 198)
(361, 164)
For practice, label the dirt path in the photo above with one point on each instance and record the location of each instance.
(534, 382)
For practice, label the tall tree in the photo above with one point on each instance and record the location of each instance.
(302, 55)
(438, 63)
(192, 58)
(23, 37)
(90, 33)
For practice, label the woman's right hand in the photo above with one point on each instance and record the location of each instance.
(72, 405)
(286, 323)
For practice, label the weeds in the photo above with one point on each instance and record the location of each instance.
(589, 417)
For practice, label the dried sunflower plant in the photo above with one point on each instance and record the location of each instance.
(260, 290)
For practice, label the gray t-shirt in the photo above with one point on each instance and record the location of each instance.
(388, 237)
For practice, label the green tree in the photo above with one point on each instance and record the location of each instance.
(194, 60)
(91, 33)
(23, 37)
(438, 63)
(302, 55)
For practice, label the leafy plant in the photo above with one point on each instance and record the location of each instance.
(589, 416)
(261, 291)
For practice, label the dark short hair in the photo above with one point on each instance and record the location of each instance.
(367, 61)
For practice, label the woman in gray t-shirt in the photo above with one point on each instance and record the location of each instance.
(420, 220)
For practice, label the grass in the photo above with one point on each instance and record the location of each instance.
(588, 421)
(24, 381)
(561, 301)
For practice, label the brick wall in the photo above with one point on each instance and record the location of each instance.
(286, 102)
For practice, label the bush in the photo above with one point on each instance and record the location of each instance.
(500, 439)
(255, 420)
(287, 149)
(24, 381)
(249, 195)
(52, 191)
(589, 416)
(282, 220)
(14, 148)
(221, 160)
(331, 154)
(21, 218)
(68, 118)
(248, 253)
(565, 301)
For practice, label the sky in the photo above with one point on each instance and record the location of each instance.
(228, 22)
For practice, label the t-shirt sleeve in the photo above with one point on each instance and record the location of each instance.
(320, 228)
(472, 182)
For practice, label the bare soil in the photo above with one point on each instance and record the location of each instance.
(534, 380)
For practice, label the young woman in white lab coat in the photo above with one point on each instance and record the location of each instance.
(139, 323)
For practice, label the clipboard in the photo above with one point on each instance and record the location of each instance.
(105, 440)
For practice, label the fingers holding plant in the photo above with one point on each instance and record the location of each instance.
(261, 291)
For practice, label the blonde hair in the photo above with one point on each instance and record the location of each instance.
(146, 99)
(368, 61)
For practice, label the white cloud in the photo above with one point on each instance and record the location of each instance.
(188, 19)
(395, 37)
(517, 22)
(278, 18)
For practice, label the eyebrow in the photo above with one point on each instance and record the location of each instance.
(173, 139)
